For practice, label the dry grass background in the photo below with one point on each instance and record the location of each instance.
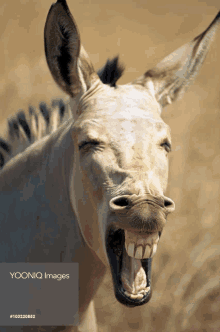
(186, 269)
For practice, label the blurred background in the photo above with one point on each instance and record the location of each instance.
(186, 269)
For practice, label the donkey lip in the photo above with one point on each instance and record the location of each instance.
(117, 255)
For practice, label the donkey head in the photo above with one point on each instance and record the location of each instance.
(121, 147)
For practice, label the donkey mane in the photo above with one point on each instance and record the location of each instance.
(20, 132)
(5, 147)
(111, 71)
(18, 124)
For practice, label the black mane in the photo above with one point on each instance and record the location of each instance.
(6, 147)
(111, 72)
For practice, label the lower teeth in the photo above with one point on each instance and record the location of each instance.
(140, 294)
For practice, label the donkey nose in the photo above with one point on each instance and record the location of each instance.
(169, 204)
(119, 203)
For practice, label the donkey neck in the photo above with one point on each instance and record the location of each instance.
(37, 182)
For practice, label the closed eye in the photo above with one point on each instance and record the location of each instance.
(87, 144)
(166, 145)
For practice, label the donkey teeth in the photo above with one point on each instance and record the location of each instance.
(142, 252)
(130, 249)
(147, 252)
(140, 294)
(139, 252)
(141, 247)
(136, 296)
(154, 250)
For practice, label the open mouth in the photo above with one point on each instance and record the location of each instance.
(130, 267)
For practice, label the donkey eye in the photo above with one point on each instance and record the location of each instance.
(86, 144)
(166, 145)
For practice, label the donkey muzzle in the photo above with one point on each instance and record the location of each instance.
(141, 214)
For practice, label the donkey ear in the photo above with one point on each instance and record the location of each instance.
(174, 73)
(68, 62)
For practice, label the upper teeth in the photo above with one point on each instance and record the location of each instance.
(141, 247)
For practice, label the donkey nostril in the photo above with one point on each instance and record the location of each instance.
(121, 201)
(169, 204)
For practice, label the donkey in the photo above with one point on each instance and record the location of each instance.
(101, 176)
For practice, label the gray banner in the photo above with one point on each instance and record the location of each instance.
(39, 294)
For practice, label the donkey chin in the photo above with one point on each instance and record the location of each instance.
(136, 224)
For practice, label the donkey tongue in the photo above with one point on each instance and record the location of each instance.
(133, 277)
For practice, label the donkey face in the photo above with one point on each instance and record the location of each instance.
(121, 144)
